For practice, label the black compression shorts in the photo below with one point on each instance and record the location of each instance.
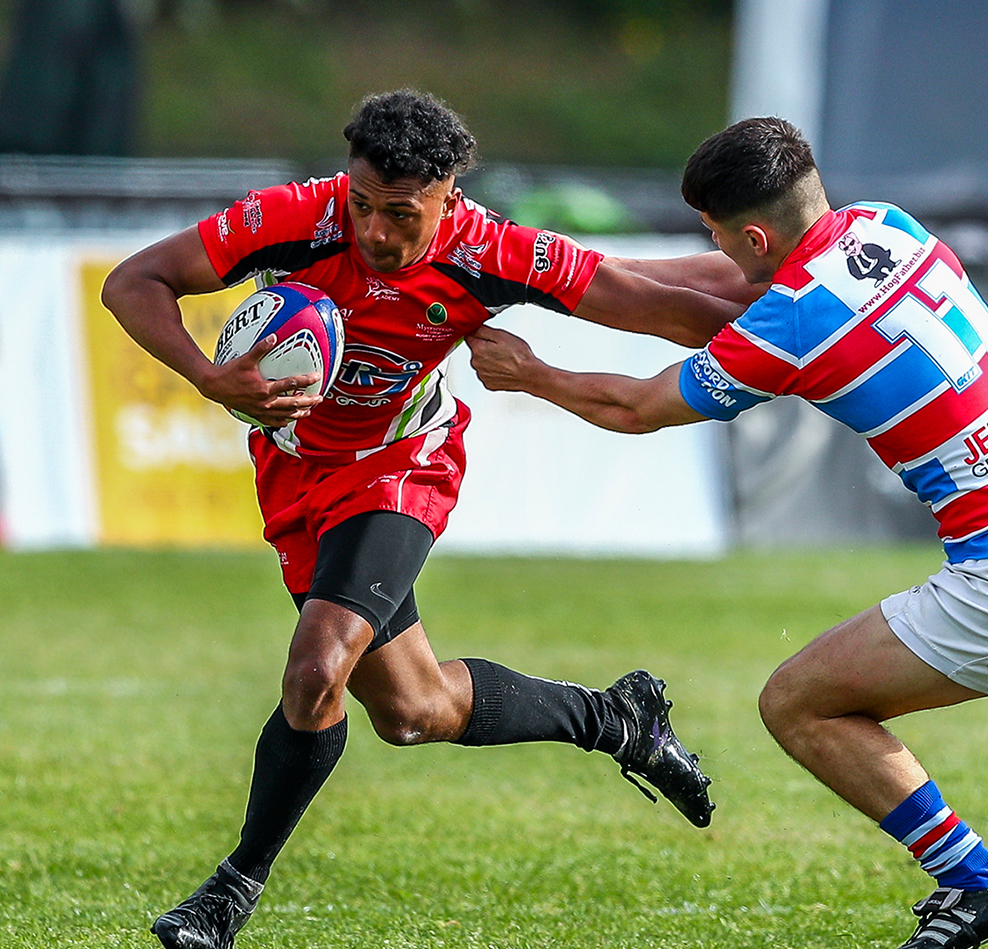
(369, 564)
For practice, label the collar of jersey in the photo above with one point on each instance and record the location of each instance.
(817, 239)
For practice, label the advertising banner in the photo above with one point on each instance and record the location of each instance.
(169, 466)
(102, 444)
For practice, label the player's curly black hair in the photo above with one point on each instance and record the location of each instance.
(410, 134)
(748, 166)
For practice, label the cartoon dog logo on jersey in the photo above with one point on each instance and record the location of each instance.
(371, 376)
(867, 261)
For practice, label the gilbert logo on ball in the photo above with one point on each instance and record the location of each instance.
(308, 327)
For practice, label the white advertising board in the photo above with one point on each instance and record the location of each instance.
(538, 481)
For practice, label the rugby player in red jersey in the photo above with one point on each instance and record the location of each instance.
(354, 488)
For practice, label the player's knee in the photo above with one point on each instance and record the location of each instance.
(778, 705)
(311, 688)
(314, 685)
(327, 643)
(311, 680)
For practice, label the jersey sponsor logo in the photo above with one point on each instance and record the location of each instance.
(977, 445)
(890, 284)
(371, 376)
(223, 227)
(867, 261)
(329, 213)
(466, 257)
(571, 273)
(543, 241)
(436, 314)
(383, 479)
(327, 230)
(711, 380)
(253, 219)
(380, 290)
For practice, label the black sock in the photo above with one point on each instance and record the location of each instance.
(509, 707)
(289, 768)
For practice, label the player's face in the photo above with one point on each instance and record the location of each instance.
(395, 221)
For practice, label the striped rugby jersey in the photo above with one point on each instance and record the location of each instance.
(873, 320)
(400, 326)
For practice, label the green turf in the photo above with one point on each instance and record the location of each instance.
(133, 684)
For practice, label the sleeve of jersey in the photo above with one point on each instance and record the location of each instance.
(746, 363)
(269, 230)
(541, 267)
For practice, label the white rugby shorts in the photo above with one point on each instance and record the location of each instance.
(945, 622)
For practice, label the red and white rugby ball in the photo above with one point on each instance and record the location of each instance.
(309, 330)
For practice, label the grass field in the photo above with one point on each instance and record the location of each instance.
(133, 684)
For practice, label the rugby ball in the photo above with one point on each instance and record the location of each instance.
(309, 329)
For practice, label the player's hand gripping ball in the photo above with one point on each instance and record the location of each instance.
(309, 329)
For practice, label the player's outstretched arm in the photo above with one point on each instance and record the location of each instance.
(712, 272)
(619, 403)
(142, 292)
(626, 300)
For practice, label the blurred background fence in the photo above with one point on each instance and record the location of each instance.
(124, 120)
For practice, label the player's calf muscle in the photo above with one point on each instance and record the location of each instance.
(438, 714)
(404, 726)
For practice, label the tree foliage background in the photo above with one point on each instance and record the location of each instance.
(633, 83)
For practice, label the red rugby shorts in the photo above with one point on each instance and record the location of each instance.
(300, 498)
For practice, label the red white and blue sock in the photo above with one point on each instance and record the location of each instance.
(944, 845)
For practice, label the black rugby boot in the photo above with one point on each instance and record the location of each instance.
(950, 919)
(213, 915)
(653, 751)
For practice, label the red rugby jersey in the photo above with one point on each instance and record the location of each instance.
(401, 326)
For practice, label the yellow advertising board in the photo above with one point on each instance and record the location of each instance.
(170, 466)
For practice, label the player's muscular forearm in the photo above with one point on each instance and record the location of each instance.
(713, 272)
(608, 400)
(626, 300)
(615, 402)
